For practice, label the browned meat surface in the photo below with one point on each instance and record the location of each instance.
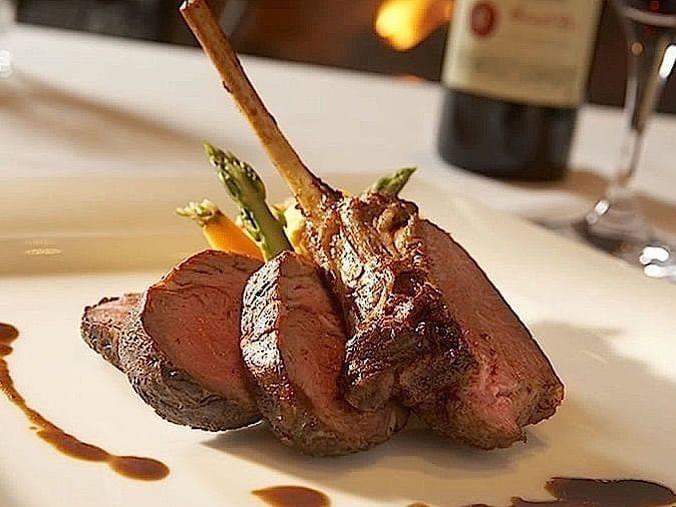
(181, 348)
(103, 323)
(403, 342)
(415, 336)
(427, 327)
(514, 384)
(293, 343)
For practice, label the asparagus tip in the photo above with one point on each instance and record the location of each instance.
(211, 150)
(393, 183)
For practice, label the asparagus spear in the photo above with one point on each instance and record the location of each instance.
(248, 191)
(392, 183)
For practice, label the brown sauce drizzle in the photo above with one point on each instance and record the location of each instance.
(292, 496)
(146, 469)
(573, 492)
(568, 492)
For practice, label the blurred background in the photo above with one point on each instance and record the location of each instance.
(397, 37)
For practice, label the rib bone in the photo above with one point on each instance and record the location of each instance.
(309, 190)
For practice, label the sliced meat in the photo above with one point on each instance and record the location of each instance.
(426, 325)
(181, 347)
(293, 344)
(514, 384)
(102, 325)
(404, 343)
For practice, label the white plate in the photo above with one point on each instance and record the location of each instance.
(608, 331)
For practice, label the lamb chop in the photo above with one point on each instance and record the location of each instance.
(293, 344)
(475, 377)
(404, 340)
(180, 349)
(103, 323)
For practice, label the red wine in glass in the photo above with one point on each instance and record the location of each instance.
(649, 7)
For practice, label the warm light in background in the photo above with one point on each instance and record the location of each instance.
(406, 23)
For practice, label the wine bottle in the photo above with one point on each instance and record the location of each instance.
(515, 73)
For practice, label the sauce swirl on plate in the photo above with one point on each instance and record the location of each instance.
(576, 492)
(147, 469)
(292, 496)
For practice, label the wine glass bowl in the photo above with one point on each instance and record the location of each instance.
(616, 224)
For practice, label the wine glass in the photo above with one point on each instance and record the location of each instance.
(616, 224)
(6, 18)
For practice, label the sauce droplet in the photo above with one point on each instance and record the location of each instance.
(146, 469)
(135, 468)
(575, 492)
(292, 496)
(8, 334)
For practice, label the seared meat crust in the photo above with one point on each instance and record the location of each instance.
(103, 323)
(403, 343)
(293, 343)
(426, 325)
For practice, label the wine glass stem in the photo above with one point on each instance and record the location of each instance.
(618, 215)
(646, 79)
(647, 72)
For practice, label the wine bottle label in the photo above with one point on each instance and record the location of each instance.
(531, 51)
